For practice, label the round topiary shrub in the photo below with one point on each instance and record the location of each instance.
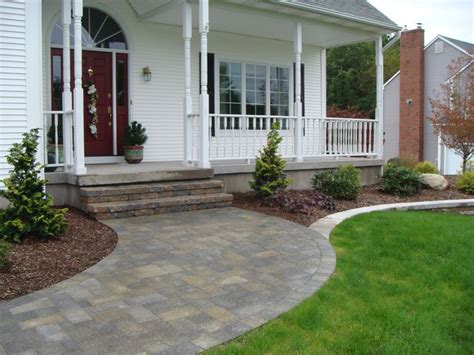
(465, 182)
(343, 183)
(426, 167)
(400, 180)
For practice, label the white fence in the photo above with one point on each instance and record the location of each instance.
(58, 138)
(233, 137)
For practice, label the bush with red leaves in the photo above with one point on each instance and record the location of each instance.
(300, 202)
(349, 112)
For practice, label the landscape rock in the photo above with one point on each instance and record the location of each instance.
(434, 181)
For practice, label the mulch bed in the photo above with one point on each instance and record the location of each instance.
(369, 196)
(37, 263)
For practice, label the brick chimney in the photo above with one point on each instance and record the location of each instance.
(412, 69)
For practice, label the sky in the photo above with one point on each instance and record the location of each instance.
(451, 18)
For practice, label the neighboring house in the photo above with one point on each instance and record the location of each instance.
(423, 69)
(206, 78)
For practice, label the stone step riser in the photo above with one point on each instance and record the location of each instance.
(157, 203)
(107, 202)
(126, 196)
(160, 210)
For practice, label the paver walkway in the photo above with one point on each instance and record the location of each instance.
(176, 283)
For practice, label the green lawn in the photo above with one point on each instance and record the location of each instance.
(403, 285)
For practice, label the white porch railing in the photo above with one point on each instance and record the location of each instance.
(240, 137)
(339, 137)
(58, 138)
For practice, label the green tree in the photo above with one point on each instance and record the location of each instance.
(30, 208)
(268, 176)
(351, 75)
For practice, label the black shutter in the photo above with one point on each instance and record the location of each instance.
(302, 87)
(210, 80)
(210, 86)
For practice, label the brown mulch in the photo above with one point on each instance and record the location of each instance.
(369, 196)
(37, 263)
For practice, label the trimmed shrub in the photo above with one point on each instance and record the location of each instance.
(400, 180)
(343, 183)
(268, 176)
(465, 182)
(426, 167)
(4, 249)
(30, 208)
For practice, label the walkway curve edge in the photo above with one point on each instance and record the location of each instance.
(325, 225)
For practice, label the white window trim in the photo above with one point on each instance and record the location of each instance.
(244, 84)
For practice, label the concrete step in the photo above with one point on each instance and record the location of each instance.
(121, 209)
(99, 194)
(118, 174)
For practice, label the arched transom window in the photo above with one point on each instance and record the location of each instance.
(99, 30)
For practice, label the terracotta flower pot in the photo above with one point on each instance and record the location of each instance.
(133, 154)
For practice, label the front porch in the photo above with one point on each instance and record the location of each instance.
(210, 130)
(231, 176)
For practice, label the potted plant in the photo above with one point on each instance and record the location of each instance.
(133, 142)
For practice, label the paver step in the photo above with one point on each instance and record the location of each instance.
(100, 194)
(119, 209)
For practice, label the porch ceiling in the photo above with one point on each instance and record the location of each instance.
(262, 19)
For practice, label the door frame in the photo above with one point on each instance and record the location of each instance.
(115, 158)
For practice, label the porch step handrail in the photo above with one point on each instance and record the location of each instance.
(58, 154)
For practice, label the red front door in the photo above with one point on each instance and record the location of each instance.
(97, 71)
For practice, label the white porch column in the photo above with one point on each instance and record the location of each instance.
(79, 160)
(67, 95)
(379, 97)
(204, 97)
(188, 102)
(298, 43)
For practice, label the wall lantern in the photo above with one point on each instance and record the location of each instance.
(147, 74)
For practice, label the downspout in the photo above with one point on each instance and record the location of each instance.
(439, 155)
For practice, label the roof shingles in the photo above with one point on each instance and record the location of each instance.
(359, 9)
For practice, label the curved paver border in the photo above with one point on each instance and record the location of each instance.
(325, 225)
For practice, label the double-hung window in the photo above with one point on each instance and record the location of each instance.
(253, 90)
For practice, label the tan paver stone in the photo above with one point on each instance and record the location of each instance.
(179, 313)
(110, 314)
(33, 306)
(233, 280)
(267, 254)
(36, 322)
(148, 271)
(170, 269)
(219, 314)
(253, 321)
(129, 328)
(115, 286)
(108, 299)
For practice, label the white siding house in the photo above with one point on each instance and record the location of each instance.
(20, 73)
(439, 53)
(256, 54)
